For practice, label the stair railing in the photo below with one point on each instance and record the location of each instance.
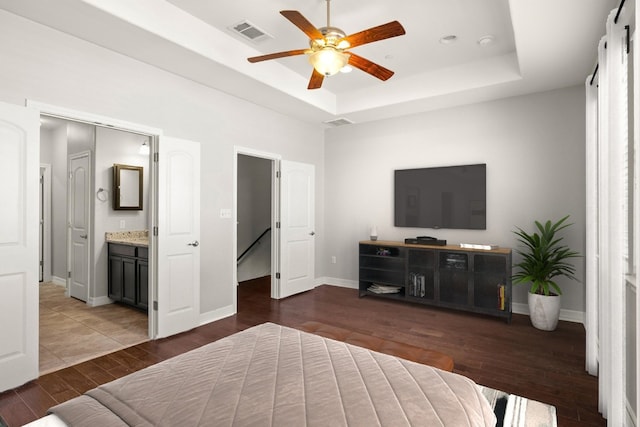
(255, 242)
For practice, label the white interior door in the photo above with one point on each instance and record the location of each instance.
(178, 236)
(19, 164)
(297, 224)
(79, 217)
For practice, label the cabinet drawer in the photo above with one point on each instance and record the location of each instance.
(143, 252)
(124, 250)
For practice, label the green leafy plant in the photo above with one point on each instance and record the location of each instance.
(544, 258)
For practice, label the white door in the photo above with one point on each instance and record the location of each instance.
(79, 216)
(178, 236)
(297, 224)
(19, 164)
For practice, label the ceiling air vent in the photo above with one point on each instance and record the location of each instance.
(249, 31)
(341, 121)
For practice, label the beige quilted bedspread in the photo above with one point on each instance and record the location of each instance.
(271, 375)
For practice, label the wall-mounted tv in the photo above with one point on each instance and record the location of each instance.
(441, 197)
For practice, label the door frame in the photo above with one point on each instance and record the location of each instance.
(45, 173)
(89, 206)
(275, 218)
(154, 134)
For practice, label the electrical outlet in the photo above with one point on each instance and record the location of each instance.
(333, 259)
(122, 224)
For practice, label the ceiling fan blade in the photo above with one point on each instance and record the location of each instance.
(301, 22)
(369, 67)
(316, 80)
(381, 32)
(276, 55)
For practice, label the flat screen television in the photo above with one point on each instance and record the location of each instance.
(441, 197)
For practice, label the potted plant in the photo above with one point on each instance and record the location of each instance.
(544, 257)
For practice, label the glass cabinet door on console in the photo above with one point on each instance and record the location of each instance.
(421, 279)
(453, 278)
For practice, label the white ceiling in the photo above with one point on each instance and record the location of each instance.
(538, 45)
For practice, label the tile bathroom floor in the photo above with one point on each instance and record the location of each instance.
(72, 332)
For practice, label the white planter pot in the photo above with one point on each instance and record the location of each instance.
(544, 311)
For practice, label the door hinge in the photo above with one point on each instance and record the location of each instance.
(278, 224)
(155, 306)
(41, 180)
(70, 175)
(156, 157)
(41, 263)
(277, 174)
(277, 275)
(69, 275)
(155, 231)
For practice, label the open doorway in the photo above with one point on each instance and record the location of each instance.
(80, 157)
(254, 210)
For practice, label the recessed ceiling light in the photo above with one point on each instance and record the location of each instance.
(451, 38)
(486, 40)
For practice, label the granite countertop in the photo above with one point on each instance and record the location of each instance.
(132, 238)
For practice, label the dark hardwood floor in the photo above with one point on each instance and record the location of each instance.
(545, 366)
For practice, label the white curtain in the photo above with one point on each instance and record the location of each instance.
(607, 218)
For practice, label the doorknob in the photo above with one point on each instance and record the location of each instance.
(195, 243)
(313, 233)
(83, 236)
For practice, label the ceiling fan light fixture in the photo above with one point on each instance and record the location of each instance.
(328, 60)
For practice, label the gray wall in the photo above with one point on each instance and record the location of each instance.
(51, 67)
(533, 146)
(534, 150)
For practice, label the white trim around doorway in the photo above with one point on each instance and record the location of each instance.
(275, 215)
(155, 134)
(45, 173)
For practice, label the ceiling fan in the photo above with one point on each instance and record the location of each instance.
(328, 52)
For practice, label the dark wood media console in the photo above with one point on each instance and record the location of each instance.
(473, 280)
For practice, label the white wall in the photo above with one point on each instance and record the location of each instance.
(534, 150)
(115, 146)
(51, 67)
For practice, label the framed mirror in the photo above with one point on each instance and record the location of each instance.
(127, 187)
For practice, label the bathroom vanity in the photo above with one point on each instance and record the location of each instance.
(128, 268)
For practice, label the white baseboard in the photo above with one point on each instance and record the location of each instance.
(567, 315)
(212, 316)
(343, 283)
(97, 301)
(58, 281)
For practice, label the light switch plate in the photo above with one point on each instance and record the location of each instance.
(225, 213)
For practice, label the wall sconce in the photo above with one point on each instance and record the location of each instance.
(144, 149)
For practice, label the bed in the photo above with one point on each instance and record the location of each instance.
(279, 376)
